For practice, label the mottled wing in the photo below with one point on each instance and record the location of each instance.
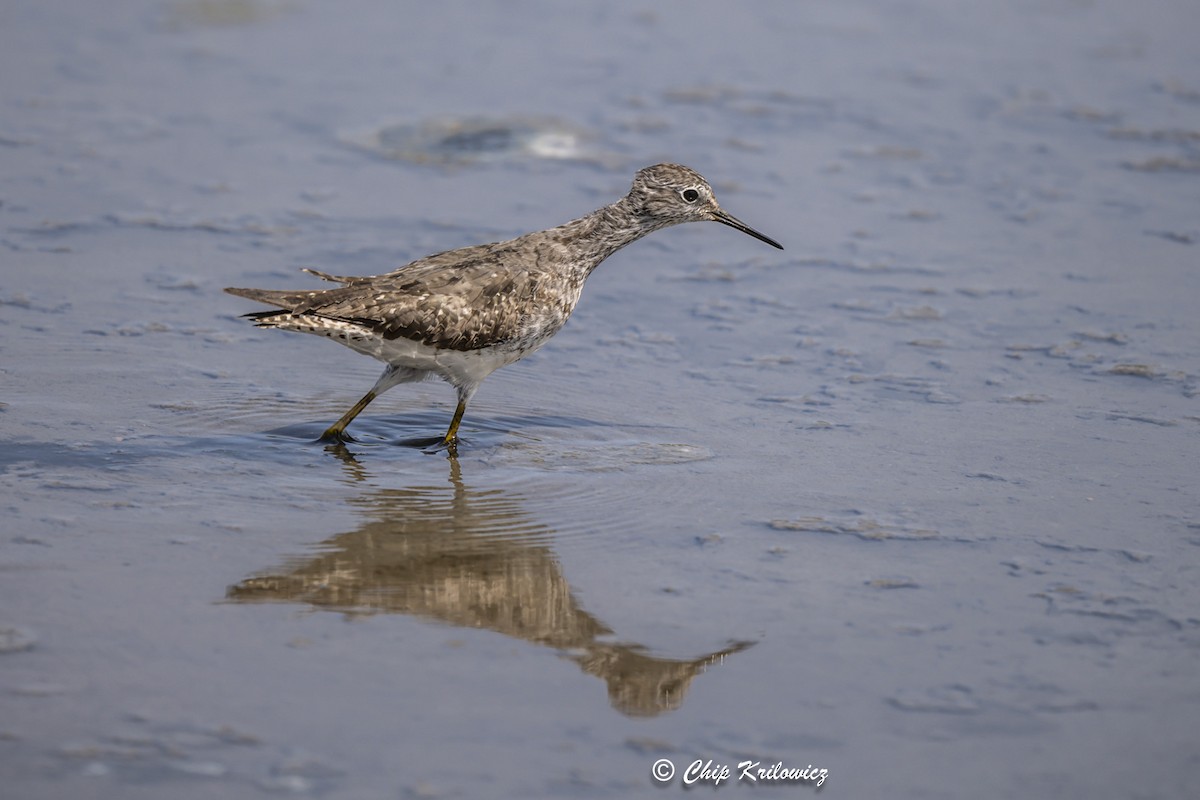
(461, 300)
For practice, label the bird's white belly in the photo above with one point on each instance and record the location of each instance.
(456, 366)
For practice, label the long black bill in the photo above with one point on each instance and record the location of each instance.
(734, 222)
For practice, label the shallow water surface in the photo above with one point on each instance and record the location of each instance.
(912, 501)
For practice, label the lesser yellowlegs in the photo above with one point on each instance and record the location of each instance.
(465, 313)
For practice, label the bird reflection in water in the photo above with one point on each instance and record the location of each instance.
(474, 559)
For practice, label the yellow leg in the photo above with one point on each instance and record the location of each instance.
(337, 430)
(451, 437)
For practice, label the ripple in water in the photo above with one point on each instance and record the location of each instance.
(595, 456)
(456, 141)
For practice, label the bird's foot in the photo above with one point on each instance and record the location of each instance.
(336, 435)
(447, 446)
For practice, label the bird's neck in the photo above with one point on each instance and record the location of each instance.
(605, 231)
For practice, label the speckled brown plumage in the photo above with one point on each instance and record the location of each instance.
(464, 313)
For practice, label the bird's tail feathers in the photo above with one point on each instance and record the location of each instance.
(325, 276)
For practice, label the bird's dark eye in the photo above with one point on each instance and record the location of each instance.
(690, 195)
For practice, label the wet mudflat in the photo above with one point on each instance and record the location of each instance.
(913, 501)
